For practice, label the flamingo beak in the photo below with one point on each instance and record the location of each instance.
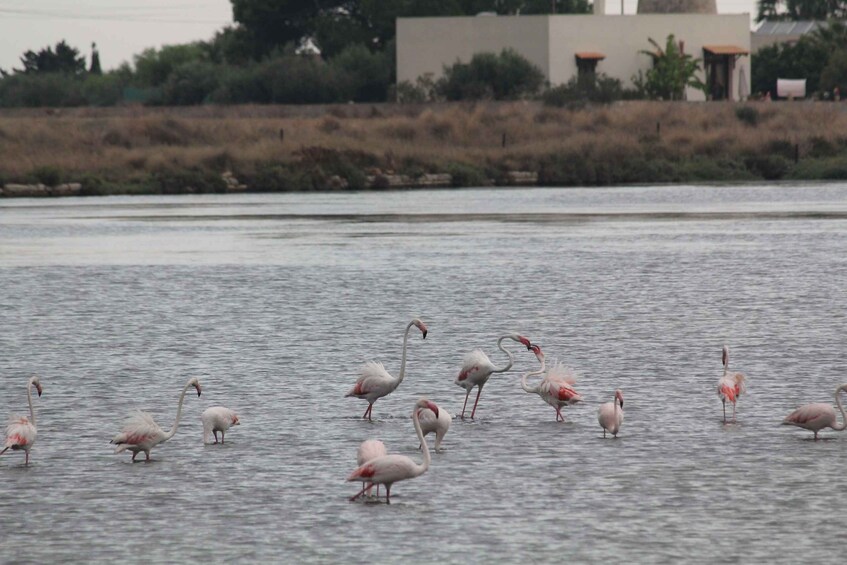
(38, 388)
(526, 342)
(424, 334)
(198, 391)
(621, 402)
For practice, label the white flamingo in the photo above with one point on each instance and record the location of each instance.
(730, 385)
(610, 415)
(370, 449)
(21, 432)
(439, 424)
(389, 469)
(141, 433)
(217, 419)
(816, 417)
(556, 388)
(477, 368)
(375, 381)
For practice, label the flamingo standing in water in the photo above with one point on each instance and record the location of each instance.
(141, 433)
(217, 419)
(556, 388)
(730, 385)
(370, 449)
(610, 415)
(389, 469)
(430, 422)
(375, 381)
(815, 417)
(21, 432)
(477, 368)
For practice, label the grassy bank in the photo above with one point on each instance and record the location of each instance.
(280, 148)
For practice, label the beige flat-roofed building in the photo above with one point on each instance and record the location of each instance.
(563, 46)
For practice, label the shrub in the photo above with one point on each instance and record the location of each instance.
(768, 167)
(748, 115)
(580, 90)
(507, 76)
(365, 75)
(51, 176)
(190, 83)
(463, 175)
(181, 181)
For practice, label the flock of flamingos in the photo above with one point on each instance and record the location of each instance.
(375, 466)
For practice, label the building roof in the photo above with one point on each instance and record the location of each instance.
(590, 55)
(725, 50)
(777, 27)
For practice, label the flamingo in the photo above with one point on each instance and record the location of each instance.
(610, 416)
(556, 388)
(370, 449)
(375, 381)
(477, 368)
(430, 422)
(815, 417)
(217, 419)
(21, 432)
(141, 433)
(389, 469)
(730, 385)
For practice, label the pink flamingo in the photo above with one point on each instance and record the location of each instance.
(439, 424)
(815, 417)
(21, 432)
(556, 388)
(730, 385)
(217, 419)
(375, 381)
(370, 449)
(141, 433)
(389, 469)
(477, 368)
(610, 416)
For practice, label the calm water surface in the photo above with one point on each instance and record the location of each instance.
(274, 302)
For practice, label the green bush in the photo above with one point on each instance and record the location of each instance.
(820, 169)
(190, 83)
(182, 181)
(580, 90)
(363, 74)
(37, 90)
(768, 167)
(464, 175)
(51, 176)
(507, 76)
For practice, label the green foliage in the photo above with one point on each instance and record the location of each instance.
(181, 181)
(834, 74)
(671, 73)
(768, 167)
(153, 67)
(507, 76)
(801, 10)
(105, 89)
(190, 83)
(804, 59)
(581, 90)
(51, 176)
(65, 59)
(366, 76)
(833, 168)
(39, 90)
(95, 69)
(464, 175)
(748, 115)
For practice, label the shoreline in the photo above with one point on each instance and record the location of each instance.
(216, 149)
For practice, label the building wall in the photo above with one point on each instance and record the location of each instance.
(425, 45)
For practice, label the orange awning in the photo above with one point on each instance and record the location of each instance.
(725, 50)
(590, 55)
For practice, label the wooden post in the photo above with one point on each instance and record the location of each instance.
(658, 129)
(504, 139)
(796, 153)
(281, 134)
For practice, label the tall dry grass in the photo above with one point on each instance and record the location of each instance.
(120, 143)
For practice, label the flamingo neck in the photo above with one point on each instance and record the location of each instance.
(172, 431)
(29, 398)
(507, 352)
(402, 373)
(421, 469)
(524, 384)
(843, 424)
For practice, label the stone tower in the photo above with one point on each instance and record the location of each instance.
(677, 7)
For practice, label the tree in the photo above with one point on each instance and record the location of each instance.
(507, 76)
(834, 74)
(95, 69)
(152, 67)
(671, 73)
(801, 9)
(65, 59)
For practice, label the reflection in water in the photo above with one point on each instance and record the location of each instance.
(274, 302)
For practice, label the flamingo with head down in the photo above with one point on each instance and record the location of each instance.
(477, 368)
(730, 386)
(610, 415)
(141, 433)
(816, 417)
(217, 419)
(389, 469)
(370, 449)
(432, 423)
(556, 388)
(375, 381)
(21, 431)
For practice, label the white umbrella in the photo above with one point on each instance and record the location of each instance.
(743, 89)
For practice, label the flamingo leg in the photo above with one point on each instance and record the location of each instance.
(147, 453)
(479, 391)
(467, 394)
(388, 494)
(559, 414)
(733, 411)
(222, 436)
(26, 460)
(604, 433)
(724, 410)
(216, 435)
(361, 492)
(134, 453)
(368, 412)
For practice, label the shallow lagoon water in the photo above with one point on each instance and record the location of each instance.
(274, 302)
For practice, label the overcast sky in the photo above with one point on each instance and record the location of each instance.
(123, 28)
